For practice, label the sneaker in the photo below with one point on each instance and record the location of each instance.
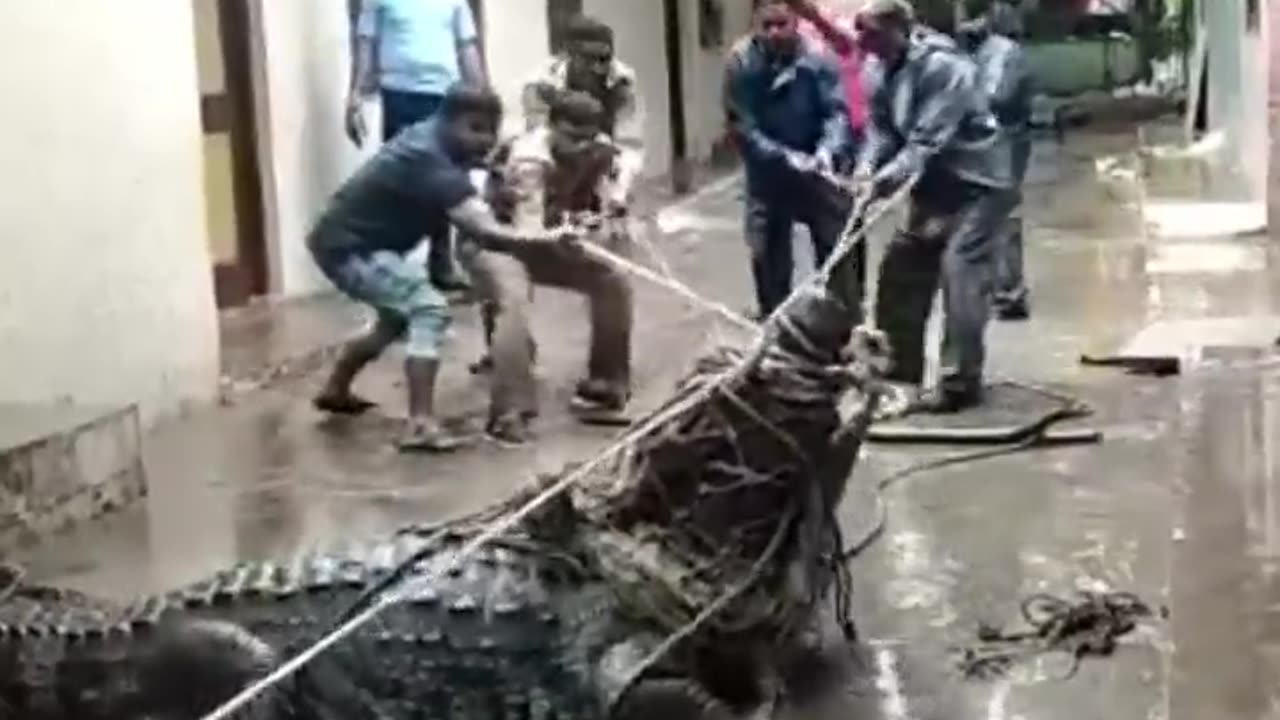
(597, 404)
(1013, 310)
(510, 431)
(947, 402)
(428, 436)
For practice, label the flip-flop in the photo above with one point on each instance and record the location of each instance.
(430, 439)
(339, 405)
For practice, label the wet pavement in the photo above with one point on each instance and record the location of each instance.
(1181, 504)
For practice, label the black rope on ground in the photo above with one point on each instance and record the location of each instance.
(1090, 627)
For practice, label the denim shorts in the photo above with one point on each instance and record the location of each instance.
(397, 287)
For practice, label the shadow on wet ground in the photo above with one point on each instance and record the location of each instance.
(1179, 505)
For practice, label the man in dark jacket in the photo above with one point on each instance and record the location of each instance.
(1003, 74)
(930, 121)
(787, 110)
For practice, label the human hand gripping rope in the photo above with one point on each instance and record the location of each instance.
(855, 233)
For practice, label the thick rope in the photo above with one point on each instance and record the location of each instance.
(850, 239)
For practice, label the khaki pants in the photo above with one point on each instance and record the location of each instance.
(506, 280)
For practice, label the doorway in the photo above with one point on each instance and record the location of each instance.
(233, 192)
(559, 13)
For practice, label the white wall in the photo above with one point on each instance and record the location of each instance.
(105, 283)
(516, 43)
(1238, 91)
(704, 73)
(303, 73)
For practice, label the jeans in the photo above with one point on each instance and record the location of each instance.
(1011, 285)
(399, 292)
(506, 280)
(399, 111)
(949, 241)
(771, 216)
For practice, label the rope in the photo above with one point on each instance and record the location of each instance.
(852, 236)
(1089, 627)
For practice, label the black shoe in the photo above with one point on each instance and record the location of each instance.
(510, 430)
(482, 366)
(1013, 310)
(946, 402)
(449, 282)
(595, 403)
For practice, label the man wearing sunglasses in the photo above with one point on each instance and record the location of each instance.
(932, 123)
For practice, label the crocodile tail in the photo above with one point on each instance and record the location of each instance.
(670, 699)
(74, 663)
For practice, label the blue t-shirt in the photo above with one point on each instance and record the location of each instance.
(418, 41)
(400, 195)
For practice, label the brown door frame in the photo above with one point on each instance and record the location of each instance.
(233, 112)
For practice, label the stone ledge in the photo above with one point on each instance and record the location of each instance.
(60, 466)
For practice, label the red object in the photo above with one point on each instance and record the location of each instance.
(850, 60)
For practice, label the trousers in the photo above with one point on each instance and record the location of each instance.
(1011, 284)
(506, 281)
(949, 241)
(771, 216)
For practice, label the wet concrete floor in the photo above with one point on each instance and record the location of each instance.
(1180, 505)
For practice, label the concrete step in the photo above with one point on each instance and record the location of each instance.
(63, 465)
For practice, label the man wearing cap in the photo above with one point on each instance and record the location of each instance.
(930, 122)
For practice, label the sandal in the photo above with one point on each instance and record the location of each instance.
(430, 437)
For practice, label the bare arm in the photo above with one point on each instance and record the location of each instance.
(629, 136)
(467, 38)
(474, 217)
(471, 64)
(364, 40)
(842, 42)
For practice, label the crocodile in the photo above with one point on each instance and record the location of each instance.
(666, 584)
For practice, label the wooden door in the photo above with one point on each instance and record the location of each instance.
(559, 12)
(232, 186)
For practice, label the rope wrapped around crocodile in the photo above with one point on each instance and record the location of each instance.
(666, 585)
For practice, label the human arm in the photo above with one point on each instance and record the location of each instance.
(1008, 86)
(368, 17)
(467, 38)
(537, 93)
(628, 136)
(842, 42)
(879, 137)
(476, 218)
(366, 14)
(941, 96)
(834, 106)
(738, 113)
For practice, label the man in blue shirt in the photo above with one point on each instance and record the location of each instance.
(416, 182)
(930, 120)
(787, 110)
(412, 51)
(1005, 76)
